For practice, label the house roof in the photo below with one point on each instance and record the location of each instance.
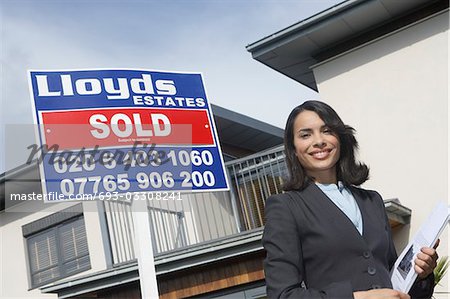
(242, 131)
(294, 50)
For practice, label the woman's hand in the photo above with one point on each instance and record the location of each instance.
(425, 261)
(380, 293)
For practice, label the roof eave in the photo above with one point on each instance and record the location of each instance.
(280, 36)
(295, 50)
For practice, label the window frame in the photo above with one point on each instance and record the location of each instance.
(55, 229)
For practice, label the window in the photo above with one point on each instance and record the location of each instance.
(58, 251)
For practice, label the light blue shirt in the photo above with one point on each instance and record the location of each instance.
(345, 201)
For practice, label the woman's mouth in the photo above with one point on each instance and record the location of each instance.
(322, 154)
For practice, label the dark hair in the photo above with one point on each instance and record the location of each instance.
(349, 171)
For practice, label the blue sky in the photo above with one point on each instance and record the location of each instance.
(193, 35)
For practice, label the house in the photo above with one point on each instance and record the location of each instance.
(205, 245)
(202, 243)
(383, 65)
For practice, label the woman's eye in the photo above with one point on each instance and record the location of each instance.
(327, 131)
(305, 135)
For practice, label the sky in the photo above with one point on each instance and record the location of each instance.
(186, 35)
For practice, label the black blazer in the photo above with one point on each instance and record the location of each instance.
(315, 251)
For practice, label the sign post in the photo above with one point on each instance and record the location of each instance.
(144, 250)
(123, 134)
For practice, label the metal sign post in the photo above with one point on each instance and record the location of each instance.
(144, 249)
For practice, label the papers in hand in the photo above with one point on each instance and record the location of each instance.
(402, 273)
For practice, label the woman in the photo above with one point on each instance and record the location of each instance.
(325, 237)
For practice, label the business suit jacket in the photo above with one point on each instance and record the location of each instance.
(315, 251)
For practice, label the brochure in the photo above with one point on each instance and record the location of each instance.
(402, 273)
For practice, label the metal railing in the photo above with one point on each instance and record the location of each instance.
(253, 180)
(205, 216)
(174, 224)
(121, 231)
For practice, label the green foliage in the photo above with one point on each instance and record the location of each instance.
(441, 269)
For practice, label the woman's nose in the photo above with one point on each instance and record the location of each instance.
(319, 141)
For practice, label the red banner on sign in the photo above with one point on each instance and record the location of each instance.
(125, 126)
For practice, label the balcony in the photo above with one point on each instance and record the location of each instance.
(199, 218)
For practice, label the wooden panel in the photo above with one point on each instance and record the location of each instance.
(195, 281)
(126, 291)
(394, 224)
(212, 278)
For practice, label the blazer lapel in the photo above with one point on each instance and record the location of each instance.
(335, 214)
(371, 219)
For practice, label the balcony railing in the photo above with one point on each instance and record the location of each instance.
(202, 217)
(253, 180)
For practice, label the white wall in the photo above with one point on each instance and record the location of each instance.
(394, 92)
(13, 259)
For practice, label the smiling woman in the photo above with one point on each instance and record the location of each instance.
(329, 143)
(325, 237)
(316, 147)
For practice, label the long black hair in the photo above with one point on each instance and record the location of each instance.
(349, 171)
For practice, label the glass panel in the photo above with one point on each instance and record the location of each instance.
(46, 276)
(77, 265)
(43, 251)
(73, 240)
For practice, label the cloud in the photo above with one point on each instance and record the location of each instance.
(201, 36)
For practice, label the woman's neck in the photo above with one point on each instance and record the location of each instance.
(324, 177)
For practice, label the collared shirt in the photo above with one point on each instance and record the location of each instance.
(344, 200)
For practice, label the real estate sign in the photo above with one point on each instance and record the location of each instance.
(122, 131)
